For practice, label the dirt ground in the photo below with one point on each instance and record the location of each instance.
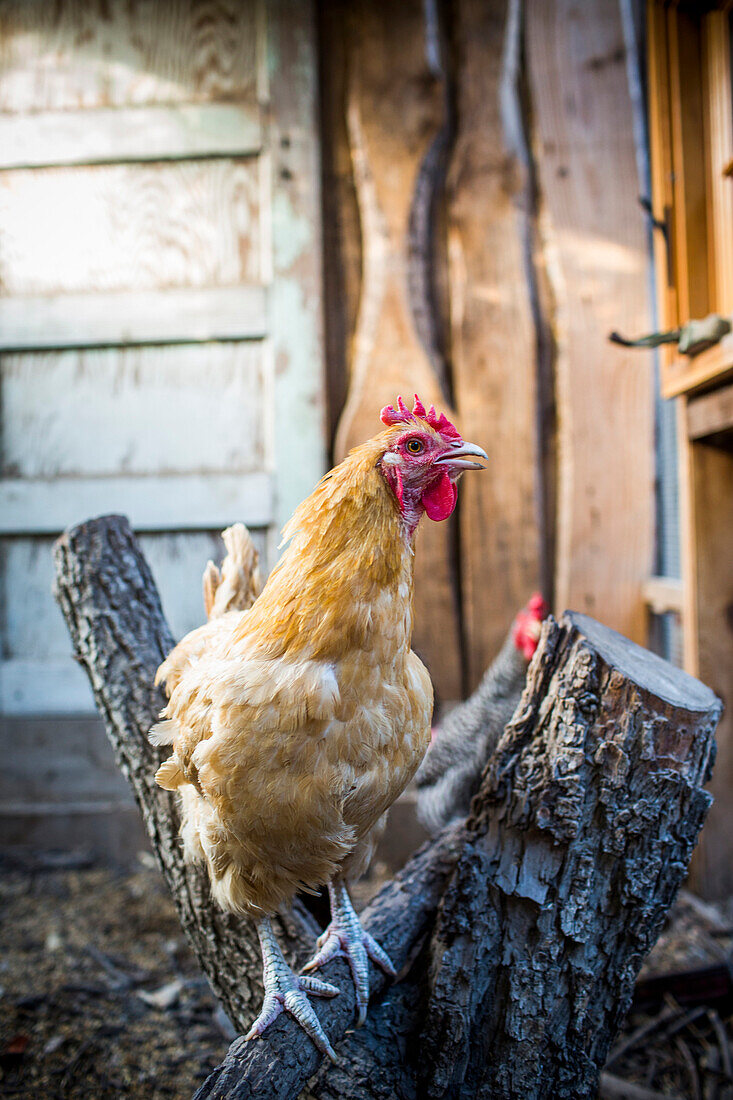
(100, 997)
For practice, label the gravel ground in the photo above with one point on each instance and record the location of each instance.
(100, 997)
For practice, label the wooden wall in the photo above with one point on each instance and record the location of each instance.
(691, 138)
(160, 331)
(483, 237)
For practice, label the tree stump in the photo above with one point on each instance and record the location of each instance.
(519, 934)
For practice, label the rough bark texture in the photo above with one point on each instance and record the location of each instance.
(578, 841)
(112, 608)
(547, 899)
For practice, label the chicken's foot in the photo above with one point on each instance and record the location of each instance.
(345, 936)
(288, 992)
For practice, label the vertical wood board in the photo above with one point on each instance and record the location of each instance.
(710, 577)
(394, 111)
(692, 271)
(718, 95)
(296, 403)
(493, 340)
(594, 241)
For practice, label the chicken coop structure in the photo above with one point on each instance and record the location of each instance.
(231, 232)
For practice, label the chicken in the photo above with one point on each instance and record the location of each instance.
(451, 772)
(295, 724)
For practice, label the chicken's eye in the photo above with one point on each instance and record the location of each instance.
(415, 446)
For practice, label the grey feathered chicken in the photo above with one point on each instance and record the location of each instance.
(450, 774)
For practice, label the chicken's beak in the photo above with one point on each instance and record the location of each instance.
(459, 458)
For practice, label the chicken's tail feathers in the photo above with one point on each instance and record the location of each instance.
(238, 583)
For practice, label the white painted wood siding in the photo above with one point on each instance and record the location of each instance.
(160, 297)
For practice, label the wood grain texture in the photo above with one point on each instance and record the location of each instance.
(134, 411)
(708, 565)
(393, 113)
(718, 93)
(596, 257)
(662, 174)
(687, 374)
(48, 138)
(75, 55)
(710, 414)
(692, 270)
(182, 502)
(342, 245)
(493, 338)
(130, 227)
(297, 395)
(129, 317)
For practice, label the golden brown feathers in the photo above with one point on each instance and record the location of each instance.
(296, 723)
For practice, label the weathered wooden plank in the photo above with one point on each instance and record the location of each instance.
(686, 374)
(718, 93)
(710, 414)
(493, 335)
(151, 410)
(193, 502)
(296, 325)
(52, 138)
(663, 594)
(75, 55)
(692, 270)
(595, 245)
(394, 112)
(33, 629)
(32, 322)
(709, 574)
(131, 227)
(341, 227)
(662, 174)
(43, 687)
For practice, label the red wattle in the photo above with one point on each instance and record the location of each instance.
(440, 499)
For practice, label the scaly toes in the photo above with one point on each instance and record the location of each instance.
(295, 1001)
(317, 987)
(378, 955)
(299, 1007)
(328, 947)
(271, 1009)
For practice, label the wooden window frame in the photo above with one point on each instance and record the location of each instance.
(691, 138)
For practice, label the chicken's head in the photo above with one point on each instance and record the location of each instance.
(527, 625)
(423, 460)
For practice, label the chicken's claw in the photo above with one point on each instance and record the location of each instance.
(288, 992)
(345, 936)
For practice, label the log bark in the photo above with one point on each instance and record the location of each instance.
(578, 842)
(112, 609)
(547, 898)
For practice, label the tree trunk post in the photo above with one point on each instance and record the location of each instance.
(577, 844)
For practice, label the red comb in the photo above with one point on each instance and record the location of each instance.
(402, 415)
